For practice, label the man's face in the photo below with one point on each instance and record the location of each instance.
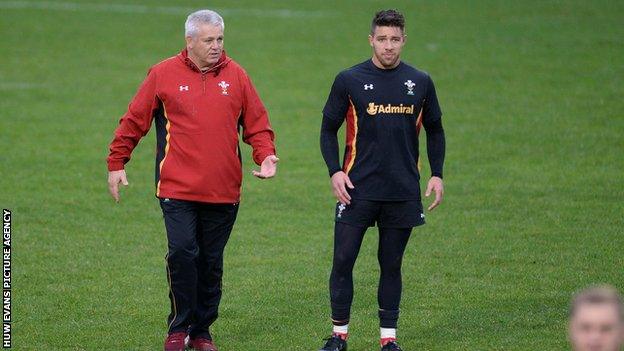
(206, 45)
(596, 327)
(387, 43)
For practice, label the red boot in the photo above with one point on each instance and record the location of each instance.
(175, 341)
(203, 344)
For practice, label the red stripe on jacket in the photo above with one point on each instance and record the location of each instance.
(200, 114)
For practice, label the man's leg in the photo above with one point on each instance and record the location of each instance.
(215, 225)
(181, 224)
(347, 242)
(392, 243)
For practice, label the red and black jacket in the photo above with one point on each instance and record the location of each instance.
(198, 117)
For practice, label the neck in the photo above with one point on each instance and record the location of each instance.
(201, 65)
(378, 63)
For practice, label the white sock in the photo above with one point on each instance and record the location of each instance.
(341, 329)
(387, 333)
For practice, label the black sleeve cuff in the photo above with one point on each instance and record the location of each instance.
(334, 171)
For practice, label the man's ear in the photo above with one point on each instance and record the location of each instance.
(370, 40)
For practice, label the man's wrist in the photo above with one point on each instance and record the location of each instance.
(436, 174)
(333, 171)
(261, 156)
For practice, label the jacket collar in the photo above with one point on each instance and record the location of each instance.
(223, 61)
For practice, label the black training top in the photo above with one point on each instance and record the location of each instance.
(384, 110)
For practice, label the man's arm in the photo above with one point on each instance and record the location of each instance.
(436, 144)
(330, 150)
(257, 131)
(133, 125)
(333, 117)
(329, 144)
(436, 147)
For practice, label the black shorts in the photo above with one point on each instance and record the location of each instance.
(386, 214)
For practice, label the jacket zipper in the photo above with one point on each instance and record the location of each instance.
(203, 75)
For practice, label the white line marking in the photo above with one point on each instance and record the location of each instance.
(146, 9)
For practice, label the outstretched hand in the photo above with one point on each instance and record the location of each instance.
(268, 168)
(435, 184)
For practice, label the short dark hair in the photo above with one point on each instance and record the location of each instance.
(388, 18)
(598, 295)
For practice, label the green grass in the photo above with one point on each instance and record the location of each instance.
(532, 99)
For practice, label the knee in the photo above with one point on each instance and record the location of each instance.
(343, 262)
(182, 251)
(390, 265)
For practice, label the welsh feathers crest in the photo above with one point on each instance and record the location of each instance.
(410, 87)
(223, 85)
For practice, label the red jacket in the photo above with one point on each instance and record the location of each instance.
(198, 117)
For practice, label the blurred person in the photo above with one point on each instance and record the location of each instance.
(200, 101)
(597, 320)
(384, 102)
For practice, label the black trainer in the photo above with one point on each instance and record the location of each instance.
(391, 346)
(335, 343)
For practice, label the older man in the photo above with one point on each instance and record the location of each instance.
(597, 320)
(199, 100)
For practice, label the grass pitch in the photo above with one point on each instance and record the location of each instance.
(532, 98)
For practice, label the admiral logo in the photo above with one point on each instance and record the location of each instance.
(374, 109)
